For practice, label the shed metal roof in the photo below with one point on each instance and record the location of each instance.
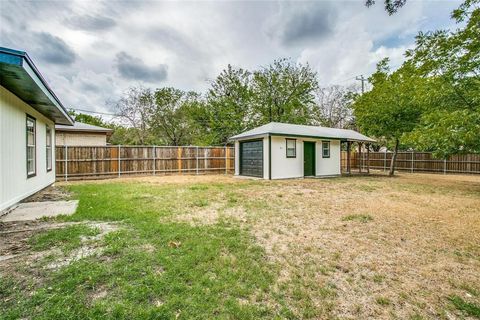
(19, 75)
(82, 127)
(286, 129)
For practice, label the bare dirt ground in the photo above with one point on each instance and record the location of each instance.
(51, 193)
(16, 247)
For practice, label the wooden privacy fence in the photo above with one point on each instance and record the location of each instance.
(414, 162)
(115, 161)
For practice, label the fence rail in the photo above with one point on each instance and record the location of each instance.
(414, 162)
(77, 162)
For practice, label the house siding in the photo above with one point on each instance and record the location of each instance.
(14, 184)
(80, 139)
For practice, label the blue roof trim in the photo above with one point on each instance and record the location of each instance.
(17, 58)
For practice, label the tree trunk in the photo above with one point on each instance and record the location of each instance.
(394, 159)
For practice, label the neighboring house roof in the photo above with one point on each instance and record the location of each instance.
(82, 127)
(19, 75)
(296, 130)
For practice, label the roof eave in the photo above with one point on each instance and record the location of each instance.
(37, 79)
(84, 130)
(252, 136)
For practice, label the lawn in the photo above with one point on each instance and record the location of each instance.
(203, 247)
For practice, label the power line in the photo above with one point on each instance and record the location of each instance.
(96, 112)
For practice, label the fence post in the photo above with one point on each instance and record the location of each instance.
(179, 159)
(368, 157)
(66, 163)
(412, 162)
(385, 161)
(205, 160)
(445, 166)
(360, 155)
(196, 159)
(226, 165)
(118, 157)
(154, 158)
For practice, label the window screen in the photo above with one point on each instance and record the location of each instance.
(48, 146)
(31, 142)
(291, 148)
(326, 149)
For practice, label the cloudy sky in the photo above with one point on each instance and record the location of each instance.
(91, 51)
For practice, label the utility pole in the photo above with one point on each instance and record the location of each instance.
(363, 79)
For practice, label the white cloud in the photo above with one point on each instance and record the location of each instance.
(194, 41)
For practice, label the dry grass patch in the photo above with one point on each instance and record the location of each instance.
(209, 214)
(186, 179)
(421, 236)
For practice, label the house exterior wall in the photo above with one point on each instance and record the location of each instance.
(80, 139)
(328, 166)
(14, 184)
(284, 168)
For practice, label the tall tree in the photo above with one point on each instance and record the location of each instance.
(451, 63)
(388, 110)
(170, 116)
(229, 105)
(134, 109)
(284, 92)
(333, 107)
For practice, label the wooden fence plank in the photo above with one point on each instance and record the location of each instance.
(78, 162)
(415, 162)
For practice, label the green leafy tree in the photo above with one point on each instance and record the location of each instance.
(450, 61)
(170, 116)
(284, 92)
(89, 119)
(388, 111)
(229, 106)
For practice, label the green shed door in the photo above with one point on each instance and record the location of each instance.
(308, 158)
(251, 158)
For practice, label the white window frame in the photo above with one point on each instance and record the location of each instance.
(326, 147)
(48, 147)
(294, 155)
(31, 172)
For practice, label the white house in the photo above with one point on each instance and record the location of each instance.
(81, 134)
(29, 111)
(281, 150)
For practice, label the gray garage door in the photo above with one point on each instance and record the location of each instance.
(251, 158)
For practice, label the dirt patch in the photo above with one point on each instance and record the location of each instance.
(14, 235)
(90, 246)
(99, 293)
(16, 250)
(52, 193)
